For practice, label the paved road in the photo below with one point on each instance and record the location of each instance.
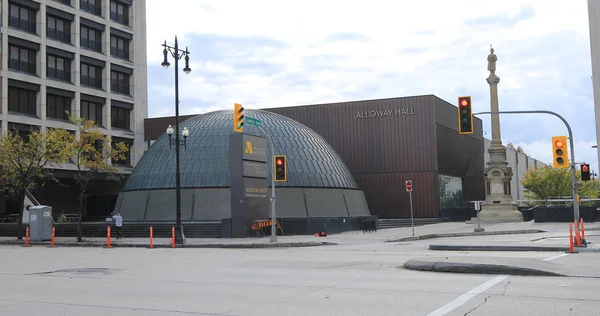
(363, 278)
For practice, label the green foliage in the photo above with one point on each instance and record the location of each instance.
(547, 182)
(91, 154)
(590, 189)
(25, 161)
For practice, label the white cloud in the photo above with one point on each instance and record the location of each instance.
(411, 47)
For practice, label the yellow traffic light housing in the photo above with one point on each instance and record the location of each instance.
(560, 152)
(238, 117)
(280, 166)
(465, 115)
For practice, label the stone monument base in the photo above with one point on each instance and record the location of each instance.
(505, 212)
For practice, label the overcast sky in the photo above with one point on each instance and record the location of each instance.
(266, 53)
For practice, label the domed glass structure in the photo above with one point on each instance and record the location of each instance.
(318, 182)
(204, 160)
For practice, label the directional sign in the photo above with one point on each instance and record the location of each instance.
(253, 121)
(409, 186)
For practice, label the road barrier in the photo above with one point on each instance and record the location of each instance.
(571, 250)
(583, 234)
(577, 236)
(108, 237)
(53, 232)
(27, 237)
(151, 237)
(173, 237)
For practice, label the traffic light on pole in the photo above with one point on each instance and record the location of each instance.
(560, 152)
(465, 116)
(585, 172)
(280, 166)
(238, 117)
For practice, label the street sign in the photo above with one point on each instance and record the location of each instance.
(253, 121)
(412, 218)
(409, 186)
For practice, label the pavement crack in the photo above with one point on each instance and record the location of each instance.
(485, 300)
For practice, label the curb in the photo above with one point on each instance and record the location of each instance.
(474, 268)
(509, 248)
(130, 245)
(502, 232)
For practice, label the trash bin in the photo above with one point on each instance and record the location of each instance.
(40, 223)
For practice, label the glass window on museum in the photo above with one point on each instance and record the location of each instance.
(450, 191)
(91, 6)
(92, 111)
(58, 29)
(119, 47)
(91, 76)
(91, 38)
(21, 100)
(22, 17)
(57, 107)
(119, 12)
(119, 82)
(22, 59)
(120, 117)
(58, 68)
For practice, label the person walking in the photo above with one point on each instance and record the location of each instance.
(119, 223)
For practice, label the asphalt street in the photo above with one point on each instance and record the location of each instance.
(357, 277)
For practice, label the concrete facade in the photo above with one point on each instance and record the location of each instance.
(520, 164)
(46, 50)
(594, 22)
(212, 204)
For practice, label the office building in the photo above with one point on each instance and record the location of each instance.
(87, 57)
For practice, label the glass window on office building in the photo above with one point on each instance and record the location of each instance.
(450, 189)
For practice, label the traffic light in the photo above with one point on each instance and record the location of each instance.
(465, 116)
(238, 117)
(280, 168)
(560, 152)
(585, 172)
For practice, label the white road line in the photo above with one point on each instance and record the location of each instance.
(467, 296)
(557, 256)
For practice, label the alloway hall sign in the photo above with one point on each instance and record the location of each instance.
(389, 112)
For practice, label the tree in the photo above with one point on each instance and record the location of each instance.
(91, 152)
(26, 162)
(545, 182)
(518, 149)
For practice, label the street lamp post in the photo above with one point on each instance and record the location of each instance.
(177, 54)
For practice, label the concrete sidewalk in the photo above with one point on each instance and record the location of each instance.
(460, 233)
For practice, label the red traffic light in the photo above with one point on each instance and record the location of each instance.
(558, 143)
(464, 102)
(584, 168)
(279, 162)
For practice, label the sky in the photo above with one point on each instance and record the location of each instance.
(267, 53)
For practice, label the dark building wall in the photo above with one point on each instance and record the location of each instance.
(460, 155)
(382, 152)
(154, 127)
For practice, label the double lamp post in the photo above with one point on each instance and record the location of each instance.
(177, 54)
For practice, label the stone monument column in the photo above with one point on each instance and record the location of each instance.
(499, 205)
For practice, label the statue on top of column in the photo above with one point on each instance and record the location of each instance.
(492, 61)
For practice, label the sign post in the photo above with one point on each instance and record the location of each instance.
(478, 229)
(409, 190)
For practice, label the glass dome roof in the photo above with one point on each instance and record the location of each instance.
(204, 161)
